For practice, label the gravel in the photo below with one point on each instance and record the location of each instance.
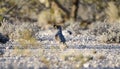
(83, 52)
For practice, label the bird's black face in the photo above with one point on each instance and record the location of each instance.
(56, 26)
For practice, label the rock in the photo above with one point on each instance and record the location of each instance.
(3, 38)
(1, 52)
(86, 65)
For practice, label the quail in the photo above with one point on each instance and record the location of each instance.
(60, 37)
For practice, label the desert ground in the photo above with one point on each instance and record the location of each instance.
(59, 34)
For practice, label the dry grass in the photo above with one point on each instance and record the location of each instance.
(26, 39)
(6, 27)
(52, 16)
(112, 12)
(55, 16)
(106, 32)
(75, 57)
(45, 61)
(45, 2)
(21, 52)
(24, 35)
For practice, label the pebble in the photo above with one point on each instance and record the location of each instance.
(80, 43)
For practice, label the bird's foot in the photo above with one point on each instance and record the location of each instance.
(63, 47)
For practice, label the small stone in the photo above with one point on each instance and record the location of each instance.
(1, 52)
(86, 65)
(77, 65)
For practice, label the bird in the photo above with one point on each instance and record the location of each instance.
(60, 38)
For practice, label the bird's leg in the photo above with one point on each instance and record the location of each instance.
(63, 46)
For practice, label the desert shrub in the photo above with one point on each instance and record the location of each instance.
(6, 27)
(24, 35)
(66, 3)
(113, 35)
(105, 32)
(26, 39)
(99, 28)
(55, 17)
(27, 10)
(112, 12)
(75, 57)
(24, 10)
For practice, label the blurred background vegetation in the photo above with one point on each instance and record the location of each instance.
(91, 10)
(24, 10)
